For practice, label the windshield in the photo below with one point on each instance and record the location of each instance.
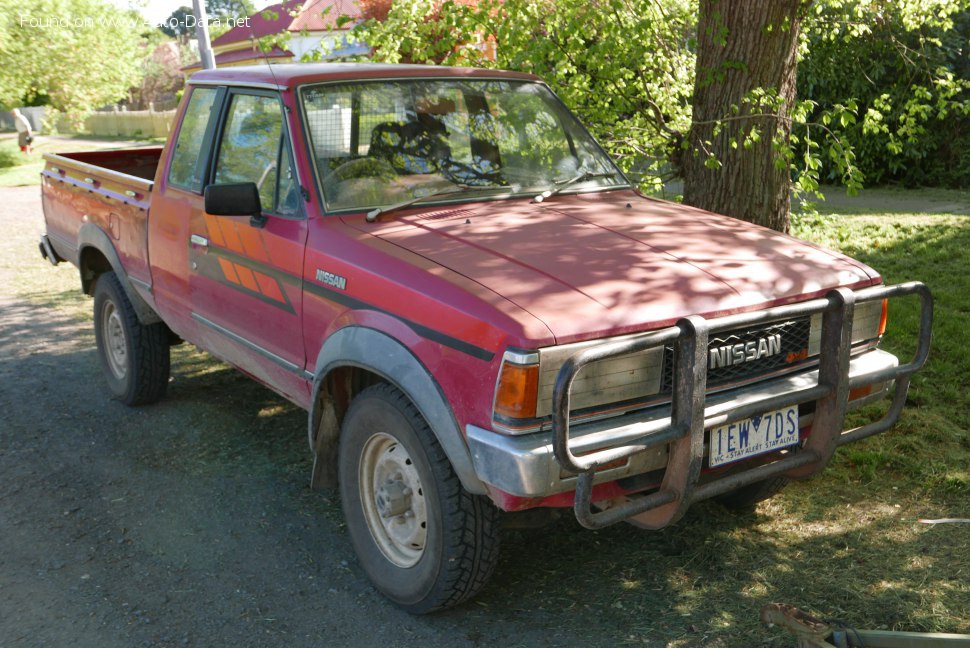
(377, 144)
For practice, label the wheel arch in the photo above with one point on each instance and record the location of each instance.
(96, 255)
(356, 357)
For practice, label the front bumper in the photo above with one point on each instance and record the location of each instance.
(673, 439)
(526, 465)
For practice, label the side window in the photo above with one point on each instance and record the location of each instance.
(287, 194)
(252, 150)
(186, 169)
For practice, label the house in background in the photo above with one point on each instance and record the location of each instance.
(309, 24)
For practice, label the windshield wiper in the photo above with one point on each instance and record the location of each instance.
(453, 189)
(563, 184)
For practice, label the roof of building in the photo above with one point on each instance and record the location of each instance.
(235, 56)
(289, 16)
(242, 56)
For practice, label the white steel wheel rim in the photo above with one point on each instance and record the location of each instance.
(392, 500)
(115, 342)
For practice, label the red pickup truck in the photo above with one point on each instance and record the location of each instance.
(479, 312)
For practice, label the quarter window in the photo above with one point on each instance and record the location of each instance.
(186, 168)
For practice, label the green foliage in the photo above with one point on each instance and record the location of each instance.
(424, 31)
(181, 22)
(8, 157)
(177, 23)
(906, 67)
(229, 8)
(81, 53)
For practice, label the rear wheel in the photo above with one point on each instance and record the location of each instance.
(135, 357)
(424, 541)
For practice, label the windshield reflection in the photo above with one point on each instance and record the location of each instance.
(382, 143)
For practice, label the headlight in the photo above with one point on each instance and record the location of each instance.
(523, 395)
(868, 325)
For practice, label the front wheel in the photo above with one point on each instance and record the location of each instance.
(135, 357)
(424, 541)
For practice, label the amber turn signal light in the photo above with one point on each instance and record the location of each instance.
(860, 392)
(517, 391)
(883, 318)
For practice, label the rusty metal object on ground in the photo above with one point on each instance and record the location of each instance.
(811, 632)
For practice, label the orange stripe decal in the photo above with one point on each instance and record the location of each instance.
(269, 287)
(246, 277)
(228, 271)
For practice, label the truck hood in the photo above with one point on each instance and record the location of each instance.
(609, 263)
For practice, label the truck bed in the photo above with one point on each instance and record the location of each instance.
(138, 162)
(108, 189)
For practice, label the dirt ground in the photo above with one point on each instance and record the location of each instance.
(187, 523)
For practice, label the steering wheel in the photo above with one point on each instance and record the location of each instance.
(367, 167)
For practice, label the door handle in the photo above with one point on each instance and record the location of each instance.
(201, 241)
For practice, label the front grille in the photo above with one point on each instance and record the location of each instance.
(791, 352)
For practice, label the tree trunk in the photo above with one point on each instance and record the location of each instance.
(743, 46)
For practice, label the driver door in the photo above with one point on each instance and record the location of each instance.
(246, 280)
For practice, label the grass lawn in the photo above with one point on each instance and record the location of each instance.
(885, 568)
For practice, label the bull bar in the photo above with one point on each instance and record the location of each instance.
(684, 430)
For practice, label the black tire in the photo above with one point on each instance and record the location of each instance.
(135, 357)
(747, 496)
(441, 563)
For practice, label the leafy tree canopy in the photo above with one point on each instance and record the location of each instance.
(81, 53)
(903, 72)
(229, 8)
(181, 22)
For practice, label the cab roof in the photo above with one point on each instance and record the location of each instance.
(289, 75)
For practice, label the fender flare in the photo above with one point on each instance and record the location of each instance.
(92, 236)
(379, 353)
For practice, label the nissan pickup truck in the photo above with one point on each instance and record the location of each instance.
(480, 313)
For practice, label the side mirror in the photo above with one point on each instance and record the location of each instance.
(240, 199)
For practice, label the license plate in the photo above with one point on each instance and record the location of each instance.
(753, 436)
